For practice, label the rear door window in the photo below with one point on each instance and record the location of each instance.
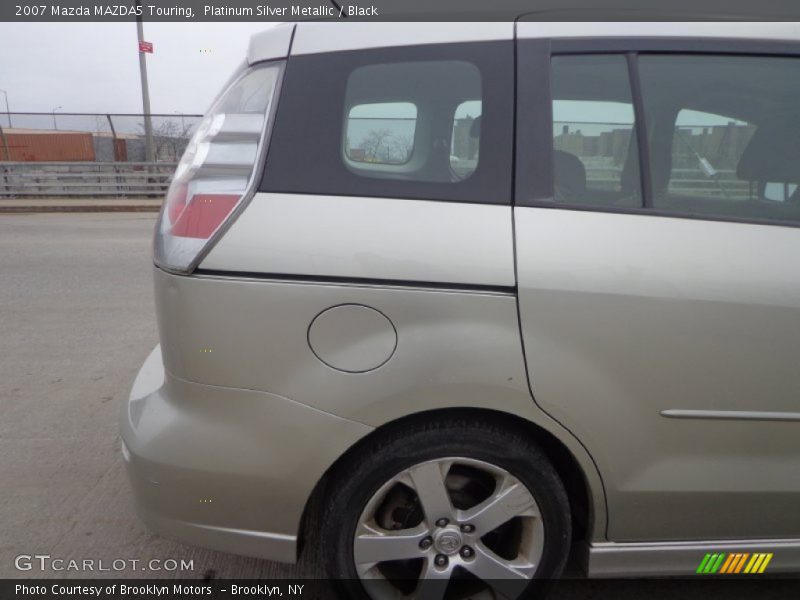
(595, 157)
(726, 136)
(706, 148)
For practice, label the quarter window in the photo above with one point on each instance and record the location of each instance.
(411, 137)
(431, 122)
(465, 142)
(381, 133)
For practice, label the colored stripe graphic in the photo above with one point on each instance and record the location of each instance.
(710, 563)
(728, 563)
(764, 564)
(718, 563)
(735, 562)
(741, 562)
(703, 563)
(758, 562)
(750, 564)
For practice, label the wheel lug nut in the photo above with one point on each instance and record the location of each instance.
(467, 528)
(440, 560)
(466, 552)
(442, 522)
(426, 542)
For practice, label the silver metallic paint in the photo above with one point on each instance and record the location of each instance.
(271, 43)
(352, 338)
(714, 30)
(455, 349)
(624, 316)
(226, 468)
(312, 38)
(380, 238)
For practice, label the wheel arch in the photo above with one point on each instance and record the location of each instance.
(573, 476)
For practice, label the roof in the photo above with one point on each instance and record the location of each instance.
(311, 37)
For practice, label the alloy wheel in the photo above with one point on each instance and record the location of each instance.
(446, 528)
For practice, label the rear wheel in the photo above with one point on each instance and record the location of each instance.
(445, 509)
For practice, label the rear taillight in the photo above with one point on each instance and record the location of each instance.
(217, 170)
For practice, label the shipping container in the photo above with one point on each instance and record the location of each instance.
(49, 146)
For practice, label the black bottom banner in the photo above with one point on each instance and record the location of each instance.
(767, 588)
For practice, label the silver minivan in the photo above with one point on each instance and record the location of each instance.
(470, 297)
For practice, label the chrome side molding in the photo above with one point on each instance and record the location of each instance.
(734, 415)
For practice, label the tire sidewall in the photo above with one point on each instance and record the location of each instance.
(360, 479)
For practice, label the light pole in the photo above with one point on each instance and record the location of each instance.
(55, 125)
(148, 123)
(8, 110)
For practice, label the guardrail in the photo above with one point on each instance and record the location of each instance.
(108, 179)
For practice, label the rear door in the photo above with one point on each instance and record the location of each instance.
(657, 238)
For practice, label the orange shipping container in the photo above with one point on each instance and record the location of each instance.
(67, 146)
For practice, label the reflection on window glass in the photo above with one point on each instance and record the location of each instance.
(729, 140)
(779, 192)
(412, 120)
(595, 155)
(381, 133)
(466, 139)
(706, 148)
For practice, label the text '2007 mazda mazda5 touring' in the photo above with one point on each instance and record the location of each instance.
(484, 293)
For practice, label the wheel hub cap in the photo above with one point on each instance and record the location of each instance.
(448, 541)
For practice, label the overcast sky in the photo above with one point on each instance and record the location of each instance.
(94, 67)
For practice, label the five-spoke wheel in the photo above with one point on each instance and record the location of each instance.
(443, 511)
(450, 517)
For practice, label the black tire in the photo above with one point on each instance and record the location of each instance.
(384, 455)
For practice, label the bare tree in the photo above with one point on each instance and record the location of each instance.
(401, 146)
(374, 143)
(169, 139)
(386, 146)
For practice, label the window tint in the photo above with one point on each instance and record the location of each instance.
(725, 140)
(706, 148)
(404, 139)
(465, 141)
(422, 122)
(595, 158)
(381, 133)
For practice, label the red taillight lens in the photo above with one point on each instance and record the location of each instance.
(203, 214)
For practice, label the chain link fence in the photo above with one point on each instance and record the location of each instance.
(89, 154)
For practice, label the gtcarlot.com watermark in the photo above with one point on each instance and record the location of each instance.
(45, 562)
